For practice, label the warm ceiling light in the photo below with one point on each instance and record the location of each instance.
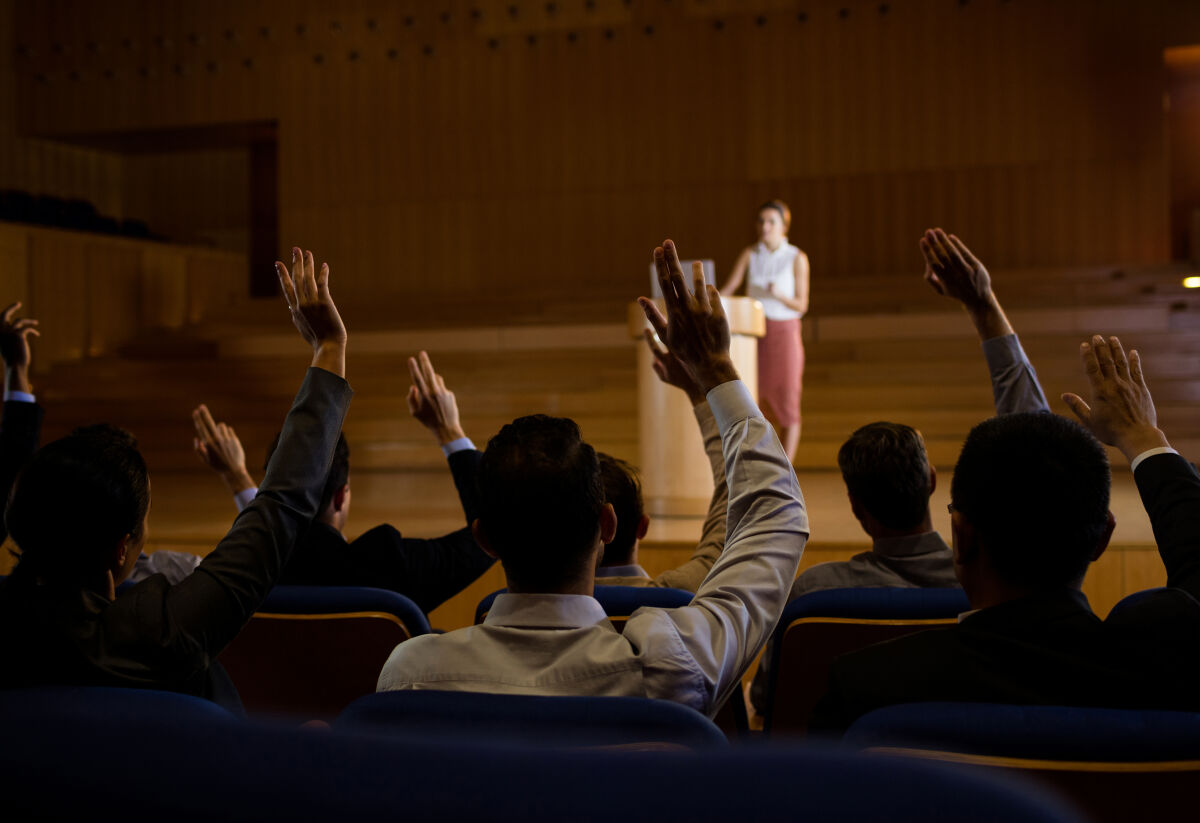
(1191, 282)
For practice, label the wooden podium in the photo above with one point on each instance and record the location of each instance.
(676, 476)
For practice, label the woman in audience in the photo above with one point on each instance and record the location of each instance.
(779, 280)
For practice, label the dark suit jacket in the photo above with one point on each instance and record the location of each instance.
(429, 571)
(161, 636)
(20, 431)
(1051, 648)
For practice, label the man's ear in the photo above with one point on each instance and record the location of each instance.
(1110, 524)
(964, 540)
(608, 523)
(643, 527)
(856, 507)
(932, 480)
(481, 538)
(341, 497)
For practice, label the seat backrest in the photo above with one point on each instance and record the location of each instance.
(567, 721)
(618, 602)
(64, 706)
(1115, 764)
(309, 651)
(817, 627)
(233, 772)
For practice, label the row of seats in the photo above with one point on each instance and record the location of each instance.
(310, 651)
(168, 756)
(464, 756)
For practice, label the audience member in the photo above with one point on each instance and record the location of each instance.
(623, 490)
(543, 515)
(1029, 514)
(78, 514)
(887, 472)
(429, 571)
(21, 424)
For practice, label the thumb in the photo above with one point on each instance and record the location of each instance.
(1077, 405)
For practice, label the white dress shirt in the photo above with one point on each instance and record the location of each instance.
(552, 644)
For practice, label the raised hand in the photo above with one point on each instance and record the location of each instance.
(953, 271)
(695, 329)
(218, 446)
(671, 371)
(14, 347)
(1121, 412)
(306, 291)
(430, 402)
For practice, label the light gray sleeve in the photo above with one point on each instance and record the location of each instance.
(1015, 386)
(700, 651)
(691, 574)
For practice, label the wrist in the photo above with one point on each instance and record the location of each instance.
(238, 480)
(16, 378)
(1134, 442)
(331, 356)
(715, 372)
(448, 434)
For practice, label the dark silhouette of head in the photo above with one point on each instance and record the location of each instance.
(887, 472)
(540, 502)
(339, 469)
(623, 490)
(75, 501)
(1033, 490)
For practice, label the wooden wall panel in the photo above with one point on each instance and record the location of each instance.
(512, 151)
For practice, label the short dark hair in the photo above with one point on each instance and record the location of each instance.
(540, 500)
(887, 470)
(339, 469)
(623, 489)
(1035, 488)
(75, 499)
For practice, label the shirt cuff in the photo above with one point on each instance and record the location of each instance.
(242, 499)
(19, 397)
(703, 412)
(462, 444)
(731, 402)
(1137, 461)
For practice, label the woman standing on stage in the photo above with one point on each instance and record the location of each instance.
(779, 280)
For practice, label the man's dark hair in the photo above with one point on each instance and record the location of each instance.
(623, 489)
(540, 500)
(339, 469)
(886, 468)
(1035, 488)
(75, 499)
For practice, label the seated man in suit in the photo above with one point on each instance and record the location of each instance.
(887, 472)
(429, 571)
(1029, 514)
(544, 515)
(623, 490)
(78, 515)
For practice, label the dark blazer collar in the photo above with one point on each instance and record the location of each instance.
(1034, 610)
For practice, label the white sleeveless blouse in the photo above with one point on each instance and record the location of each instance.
(777, 267)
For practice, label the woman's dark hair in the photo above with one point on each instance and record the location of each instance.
(782, 208)
(75, 499)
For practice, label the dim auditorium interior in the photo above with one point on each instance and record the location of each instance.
(487, 181)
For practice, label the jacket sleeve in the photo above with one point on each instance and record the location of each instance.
(464, 466)
(20, 430)
(1170, 490)
(205, 611)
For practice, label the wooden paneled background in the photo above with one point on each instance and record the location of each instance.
(508, 160)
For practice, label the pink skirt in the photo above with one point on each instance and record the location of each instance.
(780, 369)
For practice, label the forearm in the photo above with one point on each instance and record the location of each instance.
(1170, 490)
(237, 480)
(741, 599)
(229, 584)
(989, 318)
(691, 574)
(16, 378)
(1015, 386)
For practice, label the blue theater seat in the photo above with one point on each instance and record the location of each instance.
(1116, 764)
